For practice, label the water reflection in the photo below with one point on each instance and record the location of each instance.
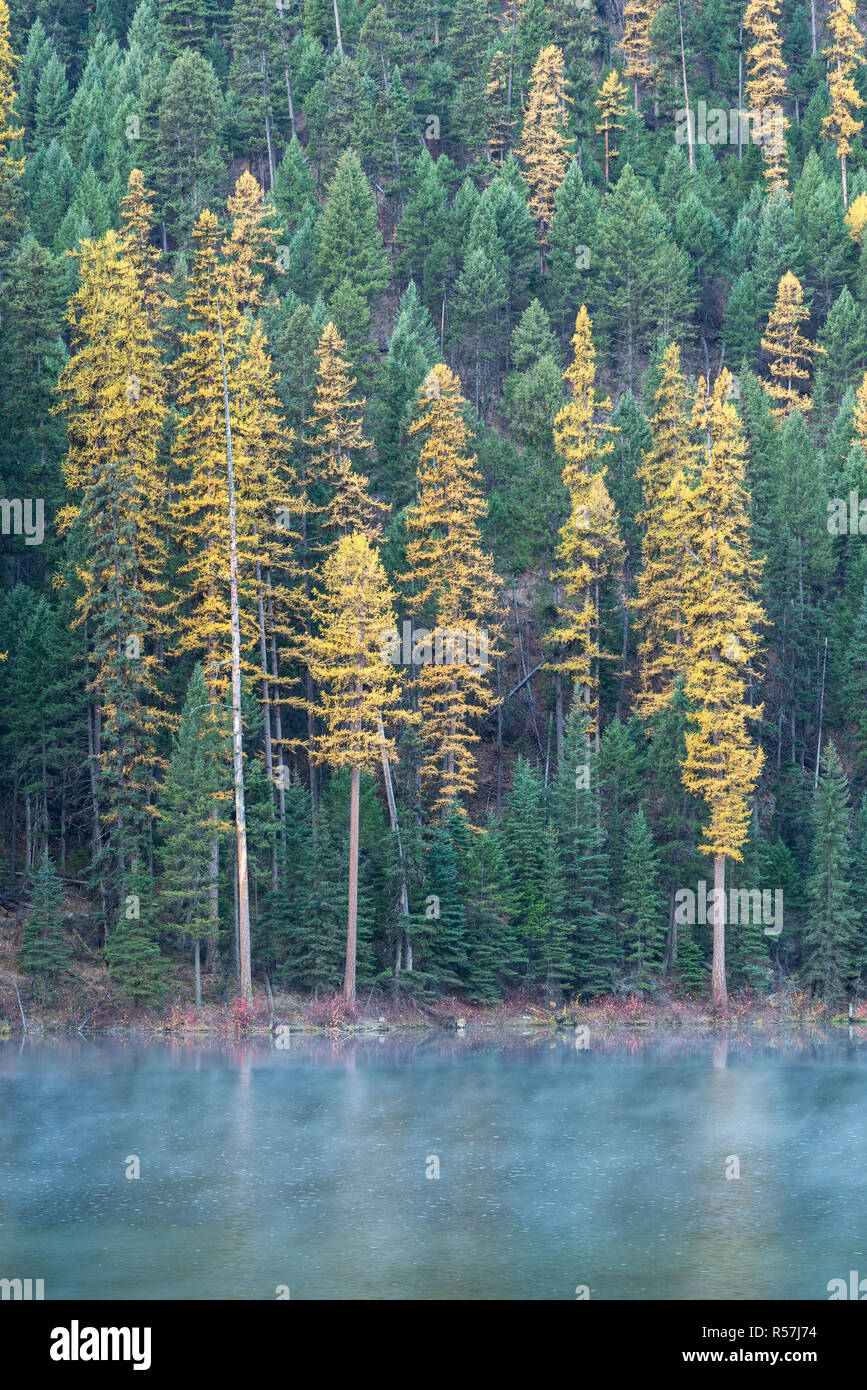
(728, 1169)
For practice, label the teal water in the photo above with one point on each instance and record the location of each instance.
(305, 1169)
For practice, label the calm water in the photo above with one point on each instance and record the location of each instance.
(307, 1168)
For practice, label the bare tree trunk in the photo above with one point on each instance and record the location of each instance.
(821, 716)
(558, 687)
(266, 711)
(741, 91)
(212, 955)
(237, 739)
(352, 914)
(337, 27)
(392, 815)
(689, 130)
(197, 970)
(720, 993)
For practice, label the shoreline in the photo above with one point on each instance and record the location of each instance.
(283, 1021)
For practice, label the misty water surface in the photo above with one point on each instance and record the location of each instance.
(307, 1168)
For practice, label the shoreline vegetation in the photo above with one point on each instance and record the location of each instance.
(284, 1019)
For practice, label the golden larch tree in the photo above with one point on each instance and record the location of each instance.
(113, 397)
(610, 102)
(790, 353)
(638, 15)
(11, 169)
(668, 473)
(766, 87)
(544, 148)
(137, 215)
(844, 53)
(453, 587)
(337, 492)
(722, 623)
(359, 691)
(589, 549)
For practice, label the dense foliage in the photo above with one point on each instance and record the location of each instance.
(513, 354)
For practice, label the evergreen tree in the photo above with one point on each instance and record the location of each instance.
(643, 926)
(45, 950)
(829, 936)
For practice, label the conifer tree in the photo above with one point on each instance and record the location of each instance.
(643, 925)
(336, 490)
(589, 549)
(544, 141)
(10, 168)
(113, 397)
(585, 860)
(844, 53)
(359, 690)
(638, 15)
(766, 86)
(45, 950)
(453, 586)
(829, 937)
(721, 619)
(668, 473)
(611, 105)
(790, 353)
(191, 783)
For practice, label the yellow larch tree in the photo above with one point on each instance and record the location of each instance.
(589, 549)
(337, 491)
(790, 353)
(453, 587)
(544, 148)
(218, 508)
(844, 53)
(859, 417)
(10, 169)
(250, 245)
(638, 15)
(610, 102)
(668, 473)
(856, 219)
(335, 496)
(359, 692)
(113, 398)
(722, 624)
(136, 210)
(766, 87)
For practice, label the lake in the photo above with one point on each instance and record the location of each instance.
(313, 1170)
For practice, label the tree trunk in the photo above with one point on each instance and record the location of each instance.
(197, 968)
(337, 27)
(237, 738)
(720, 993)
(352, 914)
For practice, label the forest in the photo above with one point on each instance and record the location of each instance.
(434, 498)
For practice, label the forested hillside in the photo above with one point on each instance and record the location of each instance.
(433, 446)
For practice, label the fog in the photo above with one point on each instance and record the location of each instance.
(311, 1170)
